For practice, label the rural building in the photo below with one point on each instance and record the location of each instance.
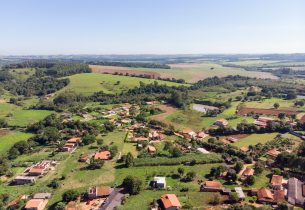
(155, 136)
(170, 202)
(244, 149)
(188, 133)
(211, 186)
(99, 192)
(40, 168)
(103, 155)
(36, 204)
(221, 122)
(262, 121)
(240, 193)
(21, 180)
(277, 182)
(42, 196)
(273, 153)
(71, 144)
(84, 158)
(151, 149)
(158, 182)
(247, 172)
(201, 135)
(296, 192)
(265, 195)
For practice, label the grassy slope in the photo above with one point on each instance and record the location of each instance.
(93, 82)
(8, 140)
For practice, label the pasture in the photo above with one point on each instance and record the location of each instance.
(10, 138)
(89, 83)
(254, 139)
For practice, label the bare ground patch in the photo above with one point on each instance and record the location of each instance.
(168, 111)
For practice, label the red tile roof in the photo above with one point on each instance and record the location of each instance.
(104, 155)
(170, 200)
(34, 204)
(215, 184)
(276, 180)
(248, 172)
(264, 193)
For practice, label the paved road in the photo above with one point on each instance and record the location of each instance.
(113, 200)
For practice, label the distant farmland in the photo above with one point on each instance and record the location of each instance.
(191, 72)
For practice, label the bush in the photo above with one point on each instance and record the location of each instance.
(132, 185)
(70, 195)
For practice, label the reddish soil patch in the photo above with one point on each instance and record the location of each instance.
(3, 132)
(168, 110)
(123, 70)
(274, 112)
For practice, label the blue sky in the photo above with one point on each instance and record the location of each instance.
(151, 26)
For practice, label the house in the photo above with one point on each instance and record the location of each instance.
(262, 121)
(83, 158)
(170, 202)
(155, 136)
(244, 149)
(240, 193)
(277, 182)
(103, 155)
(21, 180)
(273, 153)
(265, 195)
(152, 102)
(201, 135)
(221, 122)
(247, 172)
(296, 192)
(211, 186)
(36, 204)
(71, 144)
(158, 182)
(99, 192)
(40, 168)
(231, 139)
(188, 133)
(151, 149)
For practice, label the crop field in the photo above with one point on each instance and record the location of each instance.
(93, 82)
(10, 138)
(196, 71)
(254, 139)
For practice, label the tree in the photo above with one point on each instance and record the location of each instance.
(60, 206)
(70, 195)
(282, 206)
(259, 167)
(88, 139)
(113, 151)
(95, 164)
(281, 116)
(216, 199)
(238, 166)
(129, 160)
(3, 123)
(180, 171)
(190, 176)
(234, 197)
(250, 180)
(54, 184)
(176, 152)
(132, 185)
(276, 105)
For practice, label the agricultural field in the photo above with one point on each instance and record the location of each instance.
(195, 71)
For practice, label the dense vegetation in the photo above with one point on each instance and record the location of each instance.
(131, 64)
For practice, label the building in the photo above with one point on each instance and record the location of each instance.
(154, 135)
(273, 153)
(262, 121)
(151, 149)
(40, 168)
(247, 172)
(188, 133)
(244, 149)
(203, 151)
(211, 186)
(170, 202)
(277, 182)
(99, 192)
(71, 144)
(42, 196)
(265, 195)
(240, 193)
(296, 192)
(221, 122)
(201, 135)
(158, 182)
(103, 155)
(21, 180)
(36, 204)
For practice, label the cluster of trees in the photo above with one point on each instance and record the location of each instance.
(131, 64)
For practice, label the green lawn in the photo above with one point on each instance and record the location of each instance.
(93, 82)
(254, 139)
(8, 140)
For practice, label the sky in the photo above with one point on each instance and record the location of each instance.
(41, 27)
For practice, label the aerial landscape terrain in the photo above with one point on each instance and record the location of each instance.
(152, 105)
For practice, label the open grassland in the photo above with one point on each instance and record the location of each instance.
(254, 139)
(198, 71)
(93, 82)
(9, 139)
(23, 73)
(24, 117)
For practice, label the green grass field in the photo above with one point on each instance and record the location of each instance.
(23, 73)
(93, 82)
(254, 139)
(8, 140)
